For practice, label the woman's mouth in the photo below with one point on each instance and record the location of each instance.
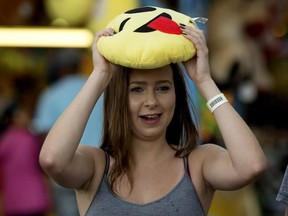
(150, 119)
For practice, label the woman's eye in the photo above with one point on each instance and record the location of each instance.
(136, 89)
(163, 88)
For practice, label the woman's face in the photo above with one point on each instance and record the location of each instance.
(151, 101)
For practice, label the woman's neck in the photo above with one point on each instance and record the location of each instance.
(150, 151)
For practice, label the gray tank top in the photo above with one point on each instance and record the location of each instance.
(181, 200)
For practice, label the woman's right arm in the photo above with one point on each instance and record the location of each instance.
(61, 156)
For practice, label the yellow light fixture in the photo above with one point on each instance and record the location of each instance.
(45, 37)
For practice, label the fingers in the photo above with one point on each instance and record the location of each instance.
(192, 32)
(105, 32)
(196, 36)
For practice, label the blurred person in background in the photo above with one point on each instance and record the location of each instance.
(24, 188)
(67, 80)
(282, 195)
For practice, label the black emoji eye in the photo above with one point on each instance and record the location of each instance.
(141, 10)
(134, 11)
(123, 24)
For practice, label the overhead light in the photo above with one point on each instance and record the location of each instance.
(45, 37)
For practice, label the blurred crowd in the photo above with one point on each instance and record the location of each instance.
(248, 43)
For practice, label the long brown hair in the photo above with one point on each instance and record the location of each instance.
(181, 134)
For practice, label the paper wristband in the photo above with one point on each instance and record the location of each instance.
(216, 101)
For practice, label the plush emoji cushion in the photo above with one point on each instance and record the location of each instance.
(147, 38)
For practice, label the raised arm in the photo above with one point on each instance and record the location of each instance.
(67, 163)
(243, 160)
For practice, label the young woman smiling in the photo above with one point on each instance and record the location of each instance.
(150, 162)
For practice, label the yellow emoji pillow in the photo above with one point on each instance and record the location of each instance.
(147, 38)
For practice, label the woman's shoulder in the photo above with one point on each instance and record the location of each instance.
(204, 153)
(208, 149)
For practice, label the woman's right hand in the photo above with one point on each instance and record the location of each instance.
(101, 65)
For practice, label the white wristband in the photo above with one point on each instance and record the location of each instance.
(216, 101)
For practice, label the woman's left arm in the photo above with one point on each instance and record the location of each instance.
(243, 161)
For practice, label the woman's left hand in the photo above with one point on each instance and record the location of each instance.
(198, 66)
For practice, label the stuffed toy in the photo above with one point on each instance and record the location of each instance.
(147, 38)
(69, 12)
(92, 14)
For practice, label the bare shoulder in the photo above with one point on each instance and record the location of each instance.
(202, 154)
(205, 151)
(205, 154)
(210, 147)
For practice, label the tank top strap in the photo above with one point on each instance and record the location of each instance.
(107, 165)
(186, 166)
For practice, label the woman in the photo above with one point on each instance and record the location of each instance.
(25, 190)
(154, 166)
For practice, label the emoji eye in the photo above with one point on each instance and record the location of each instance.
(135, 11)
(141, 10)
(123, 24)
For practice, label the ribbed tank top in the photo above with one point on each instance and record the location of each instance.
(181, 200)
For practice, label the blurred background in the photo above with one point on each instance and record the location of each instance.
(248, 44)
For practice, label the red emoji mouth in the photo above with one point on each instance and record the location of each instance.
(162, 23)
(165, 25)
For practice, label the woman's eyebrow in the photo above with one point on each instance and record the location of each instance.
(138, 82)
(145, 82)
(164, 81)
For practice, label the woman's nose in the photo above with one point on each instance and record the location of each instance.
(151, 100)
